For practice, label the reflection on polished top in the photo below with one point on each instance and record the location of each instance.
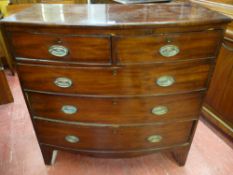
(117, 15)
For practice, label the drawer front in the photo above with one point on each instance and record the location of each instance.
(80, 49)
(147, 80)
(166, 47)
(110, 138)
(116, 110)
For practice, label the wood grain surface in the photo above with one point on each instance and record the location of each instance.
(81, 49)
(146, 49)
(113, 15)
(20, 152)
(104, 138)
(117, 81)
(116, 110)
(189, 75)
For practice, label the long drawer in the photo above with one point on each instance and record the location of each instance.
(141, 80)
(110, 138)
(166, 47)
(68, 48)
(116, 110)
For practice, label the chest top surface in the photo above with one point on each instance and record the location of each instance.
(115, 15)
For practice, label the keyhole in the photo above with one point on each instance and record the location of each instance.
(114, 102)
(114, 72)
(168, 40)
(59, 41)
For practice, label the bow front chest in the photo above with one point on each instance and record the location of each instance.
(114, 80)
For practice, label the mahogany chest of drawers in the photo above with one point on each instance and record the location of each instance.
(115, 80)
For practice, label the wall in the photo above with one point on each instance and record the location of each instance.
(3, 4)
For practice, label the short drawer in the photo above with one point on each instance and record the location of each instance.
(166, 47)
(134, 80)
(76, 49)
(116, 110)
(112, 138)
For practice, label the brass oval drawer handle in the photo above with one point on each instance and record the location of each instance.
(154, 138)
(58, 50)
(69, 109)
(165, 81)
(72, 139)
(227, 47)
(169, 50)
(160, 110)
(63, 82)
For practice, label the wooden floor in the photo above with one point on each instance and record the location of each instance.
(20, 153)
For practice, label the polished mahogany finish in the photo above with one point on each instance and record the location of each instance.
(113, 80)
(117, 81)
(113, 15)
(82, 49)
(107, 110)
(217, 107)
(146, 48)
(107, 139)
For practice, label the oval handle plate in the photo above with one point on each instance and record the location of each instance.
(72, 139)
(159, 110)
(69, 109)
(227, 47)
(58, 50)
(169, 50)
(63, 82)
(154, 138)
(165, 81)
